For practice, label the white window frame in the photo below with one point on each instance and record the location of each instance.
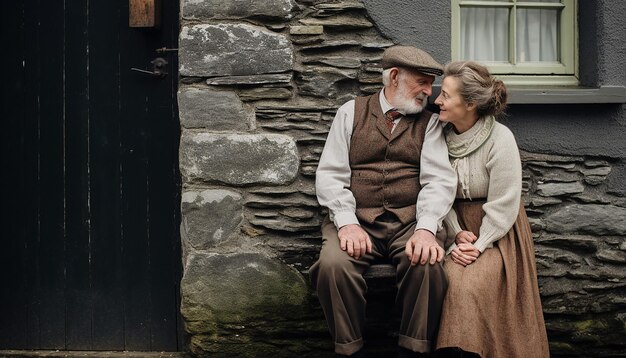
(564, 73)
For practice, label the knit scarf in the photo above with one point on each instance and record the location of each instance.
(460, 146)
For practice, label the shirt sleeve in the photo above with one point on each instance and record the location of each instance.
(437, 178)
(332, 178)
(505, 187)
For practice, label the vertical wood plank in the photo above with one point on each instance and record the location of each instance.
(136, 129)
(13, 308)
(151, 313)
(93, 259)
(104, 163)
(31, 43)
(79, 307)
(51, 164)
(164, 196)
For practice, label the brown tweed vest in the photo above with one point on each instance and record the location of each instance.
(385, 166)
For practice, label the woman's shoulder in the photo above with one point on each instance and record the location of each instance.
(502, 143)
(502, 134)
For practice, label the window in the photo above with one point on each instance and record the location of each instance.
(522, 42)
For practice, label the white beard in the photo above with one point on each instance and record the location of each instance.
(408, 105)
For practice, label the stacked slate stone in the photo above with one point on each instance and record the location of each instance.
(260, 83)
(579, 231)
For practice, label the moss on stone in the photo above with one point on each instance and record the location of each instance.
(590, 325)
(238, 288)
(248, 305)
(562, 347)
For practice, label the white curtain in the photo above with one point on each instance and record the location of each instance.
(537, 35)
(485, 34)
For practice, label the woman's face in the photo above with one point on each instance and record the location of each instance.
(453, 108)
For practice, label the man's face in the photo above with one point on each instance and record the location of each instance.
(412, 91)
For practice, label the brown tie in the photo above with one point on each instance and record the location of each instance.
(390, 116)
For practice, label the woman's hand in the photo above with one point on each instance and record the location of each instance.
(464, 254)
(465, 237)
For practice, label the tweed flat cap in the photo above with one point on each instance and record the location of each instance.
(411, 57)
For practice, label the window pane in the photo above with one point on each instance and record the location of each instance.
(485, 34)
(557, 1)
(537, 35)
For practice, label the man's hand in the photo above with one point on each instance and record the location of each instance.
(421, 245)
(354, 240)
(465, 237)
(464, 254)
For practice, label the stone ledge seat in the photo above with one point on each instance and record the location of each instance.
(380, 271)
(382, 320)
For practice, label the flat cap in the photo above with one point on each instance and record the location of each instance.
(411, 57)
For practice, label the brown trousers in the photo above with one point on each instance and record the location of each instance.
(338, 280)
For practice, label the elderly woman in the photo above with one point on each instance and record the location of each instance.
(492, 307)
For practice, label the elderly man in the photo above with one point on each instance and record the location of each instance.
(386, 179)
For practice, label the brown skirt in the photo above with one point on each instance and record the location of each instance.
(492, 306)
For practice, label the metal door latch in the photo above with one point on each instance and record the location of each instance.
(165, 49)
(159, 68)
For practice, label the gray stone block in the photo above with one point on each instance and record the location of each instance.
(336, 61)
(237, 9)
(323, 82)
(339, 21)
(306, 30)
(331, 45)
(240, 288)
(556, 189)
(612, 256)
(593, 219)
(341, 6)
(215, 110)
(250, 80)
(232, 49)
(238, 159)
(265, 93)
(587, 244)
(597, 171)
(210, 217)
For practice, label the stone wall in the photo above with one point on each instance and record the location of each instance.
(579, 232)
(260, 82)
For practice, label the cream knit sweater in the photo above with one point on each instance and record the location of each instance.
(493, 172)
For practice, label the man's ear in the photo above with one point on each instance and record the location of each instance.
(394, 76)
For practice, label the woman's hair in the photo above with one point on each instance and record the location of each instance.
(477, 86)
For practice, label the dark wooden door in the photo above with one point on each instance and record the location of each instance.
(90, 248)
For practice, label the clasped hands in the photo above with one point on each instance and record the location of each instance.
(465, 252)
(419, 248)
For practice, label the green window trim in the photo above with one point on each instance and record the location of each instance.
(555, 95)
(563, 73)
